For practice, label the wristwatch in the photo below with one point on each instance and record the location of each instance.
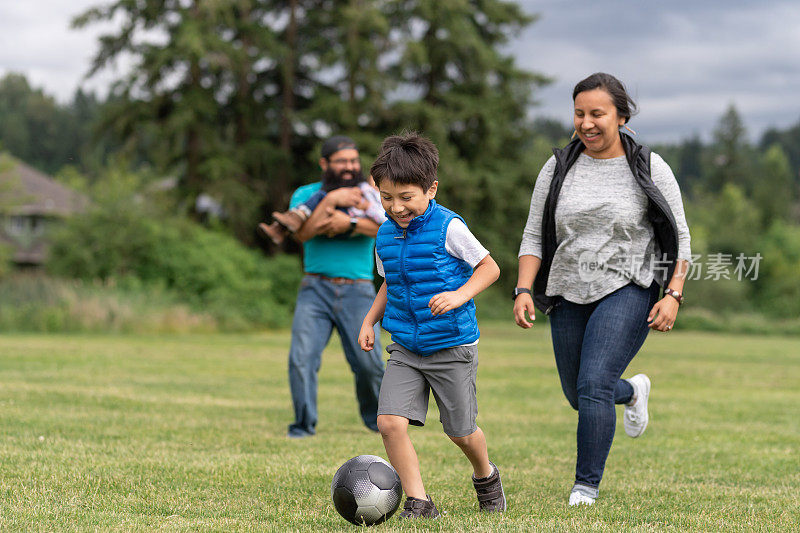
(353, 223)
(675, 294)
(519, 290)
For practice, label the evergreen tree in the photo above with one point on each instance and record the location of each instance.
(354, 78)
(35, 128)
(167, 98)
(777, 289)
(234, 98)
(775, 190)
(690, 163)
(216, 95)
(789, 141)
(456, 86)
(732, 156)
(728, 221)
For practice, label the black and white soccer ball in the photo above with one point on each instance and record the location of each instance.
(366, 490)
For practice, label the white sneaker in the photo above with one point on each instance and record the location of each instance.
(577, 497)
(635, 418)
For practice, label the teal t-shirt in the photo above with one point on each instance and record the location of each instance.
(339, 257)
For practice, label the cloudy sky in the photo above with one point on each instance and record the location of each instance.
(684, 61)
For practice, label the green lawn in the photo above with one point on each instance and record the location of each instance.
(188, 433)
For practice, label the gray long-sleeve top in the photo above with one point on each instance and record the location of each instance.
(604, 237)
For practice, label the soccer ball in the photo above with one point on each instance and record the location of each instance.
(366, 490)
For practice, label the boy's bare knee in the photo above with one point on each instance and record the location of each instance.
(466, 440)
(391, 425)
(460, 441)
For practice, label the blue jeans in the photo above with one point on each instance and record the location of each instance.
(321, 306)
(316, 198)
(593, 345)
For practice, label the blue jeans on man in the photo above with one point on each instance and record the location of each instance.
(593, 345)
(323, 304)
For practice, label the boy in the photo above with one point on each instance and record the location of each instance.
(432, 268)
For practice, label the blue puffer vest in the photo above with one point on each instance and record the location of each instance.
(417, 267)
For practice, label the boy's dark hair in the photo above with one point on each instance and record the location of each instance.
(408, 158)
(625, 105)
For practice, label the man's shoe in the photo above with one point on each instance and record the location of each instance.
(416, 508)
(291, 220)
(491, 497)
(298, 432)
(274, 231)
(635, 418)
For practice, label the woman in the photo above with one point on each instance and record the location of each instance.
(606, 230)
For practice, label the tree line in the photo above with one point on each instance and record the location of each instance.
(233, 99)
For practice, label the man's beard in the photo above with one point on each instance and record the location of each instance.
(333, 180)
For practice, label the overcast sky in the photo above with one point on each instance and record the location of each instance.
(684, 61)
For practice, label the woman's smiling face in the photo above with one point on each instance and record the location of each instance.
(597, 124)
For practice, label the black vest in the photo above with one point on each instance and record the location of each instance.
(658, 212)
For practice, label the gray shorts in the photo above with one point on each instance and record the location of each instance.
(449, 373)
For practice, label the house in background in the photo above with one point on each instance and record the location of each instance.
(31, 203)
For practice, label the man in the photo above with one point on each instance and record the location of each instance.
(337, 289)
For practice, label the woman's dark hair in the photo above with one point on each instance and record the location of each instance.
(625, 105)
(408, 158)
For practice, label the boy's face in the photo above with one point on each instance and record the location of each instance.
(403, 202)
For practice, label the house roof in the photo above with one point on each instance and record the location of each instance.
(26, 191)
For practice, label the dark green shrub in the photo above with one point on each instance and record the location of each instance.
(126, 241)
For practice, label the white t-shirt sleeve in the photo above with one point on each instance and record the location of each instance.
(462, 244)
(379, 265)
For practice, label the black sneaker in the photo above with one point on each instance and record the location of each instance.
(416, 508)
(491, 497)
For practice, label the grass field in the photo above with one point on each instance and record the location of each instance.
(183, 433)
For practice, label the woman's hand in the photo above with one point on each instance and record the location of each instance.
(523, 303)
(662, 315)
(366, 337)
